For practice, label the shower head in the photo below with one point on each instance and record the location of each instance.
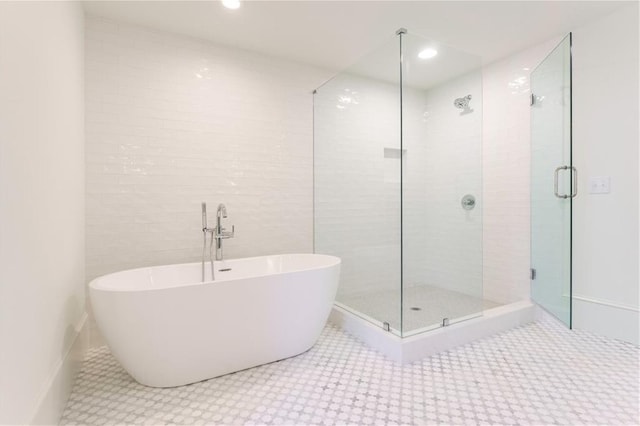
(462, 103)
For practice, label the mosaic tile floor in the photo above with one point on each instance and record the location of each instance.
(537, 374)
(433, 303)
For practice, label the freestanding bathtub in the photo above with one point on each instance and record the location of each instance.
(168, 328)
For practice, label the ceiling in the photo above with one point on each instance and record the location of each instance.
(382, 63)
(335, 34)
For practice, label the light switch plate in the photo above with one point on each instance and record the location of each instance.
(599, 185)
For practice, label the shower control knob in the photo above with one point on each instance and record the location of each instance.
(468, 202)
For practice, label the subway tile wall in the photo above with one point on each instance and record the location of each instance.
(358, 193)
(173, 121)
(442, 240)
(506, 152)
(357, 181)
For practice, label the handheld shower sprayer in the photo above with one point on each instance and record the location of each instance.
(204, 215)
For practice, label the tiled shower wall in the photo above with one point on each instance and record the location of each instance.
(172, 121)
(357, 181)
(506, 174)
(442, 240)
(357, 129)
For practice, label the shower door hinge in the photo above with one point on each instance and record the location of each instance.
(533, 274)
(532, 100)
(386, 326)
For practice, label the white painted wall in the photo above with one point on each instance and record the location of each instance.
(42, 297)
(173, 121)
(605, 141)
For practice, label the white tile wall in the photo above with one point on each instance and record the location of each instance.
(173, 121)
(506, 174)
(442, 241)
(357, 187)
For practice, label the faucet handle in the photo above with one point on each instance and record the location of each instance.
(221, 233)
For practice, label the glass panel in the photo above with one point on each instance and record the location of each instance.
(442, 185)
(357, 162)
(551, 213)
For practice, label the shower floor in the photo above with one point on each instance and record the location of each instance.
(433, 305)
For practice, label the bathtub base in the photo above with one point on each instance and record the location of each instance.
(169, 328)
(409, 349)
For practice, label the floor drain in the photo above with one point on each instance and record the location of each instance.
(415, 308)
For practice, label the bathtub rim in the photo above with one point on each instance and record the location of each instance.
(94, 284)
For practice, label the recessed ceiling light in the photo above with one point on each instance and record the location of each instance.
(427, 53)
(231, 4)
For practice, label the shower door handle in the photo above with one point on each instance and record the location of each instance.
(574, 181)
(555, 181)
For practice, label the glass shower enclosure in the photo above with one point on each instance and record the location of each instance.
(553, 182)
(398, 184)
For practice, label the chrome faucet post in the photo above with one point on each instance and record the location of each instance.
(219, 233)
(204, 234)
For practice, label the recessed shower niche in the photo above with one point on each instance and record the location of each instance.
(395, 161)
(397, 156)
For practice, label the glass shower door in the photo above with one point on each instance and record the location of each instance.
(553, 183)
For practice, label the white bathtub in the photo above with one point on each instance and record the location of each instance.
(167, 328)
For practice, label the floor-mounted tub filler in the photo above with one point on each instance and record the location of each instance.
(168, 328)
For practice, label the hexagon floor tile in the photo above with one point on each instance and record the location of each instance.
(536, 374)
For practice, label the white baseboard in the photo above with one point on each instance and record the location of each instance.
(57, 388)
(606, 318)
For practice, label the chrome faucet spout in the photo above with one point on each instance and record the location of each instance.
(222, 212)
